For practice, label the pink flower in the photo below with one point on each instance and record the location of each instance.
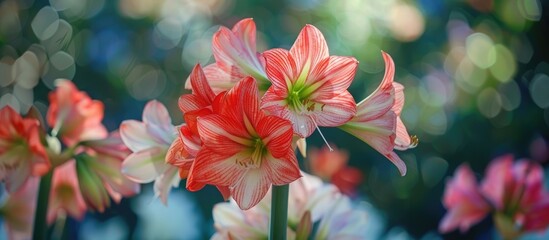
(377, 120)
(243, 148)
(236, 57)
(73, 115)
(18, 210)
(149, 141)
(105, 161)
(309, 87)
(516, 190)
(21, 153)
(464, 201)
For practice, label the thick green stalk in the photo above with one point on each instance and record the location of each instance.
(279, 212)
(40, 224)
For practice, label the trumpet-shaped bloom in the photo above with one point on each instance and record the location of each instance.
(236, 57)
(106, 157)
(517, 191)
(149, 141)
(21, 153)
(310, 202)
(65, 194)
(309, 87)
(377, 120)
(18, 210)
(243, 148)
(73, 115)
(464, 201)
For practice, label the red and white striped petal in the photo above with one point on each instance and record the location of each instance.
(335, 111)
(309, 48)
(378, 133)
(222, 134)
(200, 85)
(251, 188)
(190, 102)
(281, 69)
(399, 98)
(334, 79)
(282, 170)
(395, 159)
(144, 166)
(235, 51)
(218, 79)
(276, 133)
(213, 168)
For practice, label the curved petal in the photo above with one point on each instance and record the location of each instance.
(222, 134)
(218, 79)
(335, 111)
(283, 170)
(200, 85)
(281, 69)
(212, 168)
(163, 184)
(156, 113)
(252, 187)
(276, 133)
(135, 136)
(335, 78)
(309, 48)
(144, 166)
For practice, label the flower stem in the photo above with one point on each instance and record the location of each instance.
(40, 224)
(279, 212)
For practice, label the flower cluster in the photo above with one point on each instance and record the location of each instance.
(311, 203)
(83, 158)
(247, 110)
(512, 192)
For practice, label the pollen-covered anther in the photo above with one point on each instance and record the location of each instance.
(414, 141)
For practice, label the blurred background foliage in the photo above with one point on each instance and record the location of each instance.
(475, 71)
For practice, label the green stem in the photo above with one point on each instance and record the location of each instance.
(40, 224)
(279, 212)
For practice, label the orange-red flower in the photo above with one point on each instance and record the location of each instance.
(73, 115)
(309, 87)
(21, 153)
(377, 120)
(243, 148)
(331, 165)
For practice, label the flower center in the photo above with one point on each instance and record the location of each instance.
(258, 151)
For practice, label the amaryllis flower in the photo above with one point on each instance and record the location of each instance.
(17, 211)
(99, 172)
(21, 153)
(184, 150)
(309, 87)
(236, 57)
(464, 201)
(310, 203)
(65, 195)
(73, 115)
(331, 165)
(243, 148)
(149, 141)
(377, 120)
(516, 191)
